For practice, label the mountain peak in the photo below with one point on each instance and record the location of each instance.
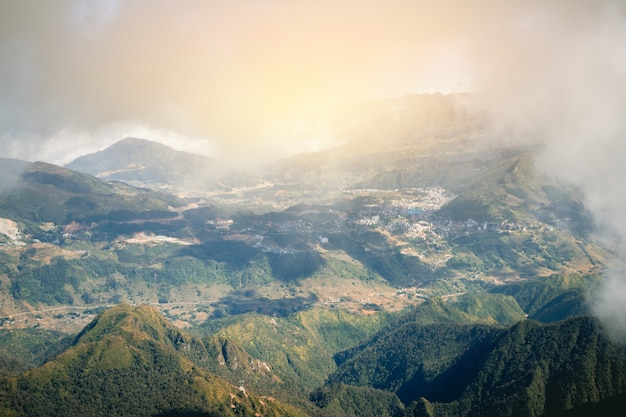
(130, 322)
(119, 363)
(141, 161)
(130, 143)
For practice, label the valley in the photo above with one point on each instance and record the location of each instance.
(404, 222)
(360, 280)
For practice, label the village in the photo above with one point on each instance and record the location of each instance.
(410, 214)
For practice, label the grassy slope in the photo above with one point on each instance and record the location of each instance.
(129, 362)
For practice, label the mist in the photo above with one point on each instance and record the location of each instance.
(255, 81)
(556, 76)
(252, 79)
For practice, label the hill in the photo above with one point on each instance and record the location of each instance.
(440, 359)
(147, 163)
(40, 193)
(440, 216)
(451, 369)
(289, 357)
(130, 361)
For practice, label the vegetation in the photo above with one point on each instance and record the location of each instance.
(127, 362)
(287, 357)
(377, 256)
(436, 360)
(28, 348)
(48, 193)
(408, 274)
(529, 369)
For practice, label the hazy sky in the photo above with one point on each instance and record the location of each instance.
(258, 76)
(244, 75)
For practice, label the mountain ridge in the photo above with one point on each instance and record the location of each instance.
(441, 368)
(129, 361)
(527, 369)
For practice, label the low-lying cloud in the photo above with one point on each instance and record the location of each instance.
(557, 74)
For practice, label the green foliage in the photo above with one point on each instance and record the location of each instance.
(7, 262)
(372, 250)
(235, 254)
(443, 287)
(48, 193)
(523, 252)
(145, 255)
(293, 266)
(298, 349)
(537, 368)
(572, 303)
(184, 270)
(502, 309)
(130, 362)
(47, 283)
(340, 399)
(246, 301)
(530, 369)
(410, 368)
(551, 298)
(21, 349)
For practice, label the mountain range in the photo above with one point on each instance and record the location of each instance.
(421, 268)
(131, 361)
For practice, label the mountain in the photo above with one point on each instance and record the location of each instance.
(130, 362)
(39, 192)
(452, 369)
(421, 268)
(464, 219)
(144, 162)
(410, 141)
(52, 219)
(286, 357)
(440, 359)
(289, 357)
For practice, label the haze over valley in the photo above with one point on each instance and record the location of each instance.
(212, 210)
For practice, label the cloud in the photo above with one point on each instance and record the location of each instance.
(242, 73)
(260, 77)
(608, 303)
(556, 73)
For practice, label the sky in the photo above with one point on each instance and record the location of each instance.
(252, 80)
(256, 78)
(246, 77)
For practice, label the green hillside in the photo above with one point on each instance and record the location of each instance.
(455, 358)
(511, 188)
(44, 193)
(27, 348)
(504, 222)
(129, 361)
(464, 370)
(299, 348)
